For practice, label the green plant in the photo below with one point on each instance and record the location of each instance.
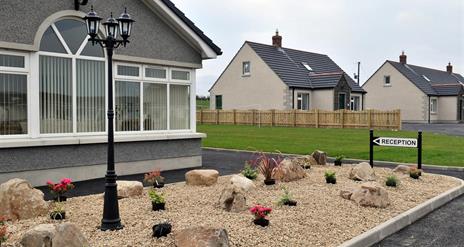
(285, 198)
(58, 209)
(156, 197)
(392, 181)
(415, 173)
(330, 177)
(339, 158)
(249, 172)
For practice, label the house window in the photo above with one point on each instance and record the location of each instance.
(71, 80)
(355, 103)
(306, 65)
(180, 75)
(433, 105)
(218, 102)
(13, 95)
(179, 105)
(303, 101)
(246, 68)
(386, 80)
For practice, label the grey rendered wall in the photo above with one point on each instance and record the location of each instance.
(49, 157)
(151, 37)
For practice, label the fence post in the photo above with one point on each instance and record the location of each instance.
(217, 116)
(235, 117)
(317, 118)
(369, 121)
(342, 118)
(399, 119)
(294, 118)
(272, 117)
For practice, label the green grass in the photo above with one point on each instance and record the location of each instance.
(353, 143)
(202, 104)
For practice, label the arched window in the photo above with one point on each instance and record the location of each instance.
(72, 80)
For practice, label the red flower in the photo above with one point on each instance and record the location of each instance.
(260, 211)
(62, 187)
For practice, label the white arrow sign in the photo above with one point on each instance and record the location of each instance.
(396, 142)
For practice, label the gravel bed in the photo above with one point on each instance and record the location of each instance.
(321, 218)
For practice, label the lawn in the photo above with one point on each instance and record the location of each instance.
(202, 104)
(438, 149)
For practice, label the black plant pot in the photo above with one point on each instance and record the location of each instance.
(61, 198)
(158, 185)
(415, 176)
(261, 222)
(331, 180)
(161, 230)
(157, 206)
(58, 216)
(307, 167)
(338, 163)
(269, 182)
(290, 203)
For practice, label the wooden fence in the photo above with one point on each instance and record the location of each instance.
(314, 118)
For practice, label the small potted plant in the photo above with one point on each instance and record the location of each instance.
(161, 230)
(157, 200)
(266, 166)
(330, 177)
(286, 198)
(260, 213)
(3, 230)
(338, 160)
(154, 178)
(58, 212)
(415, 173)
(249, 172)
(392, 181)
(59, 189)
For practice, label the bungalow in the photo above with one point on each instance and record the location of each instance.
(264, 77)
(53, 90)
(423, 94)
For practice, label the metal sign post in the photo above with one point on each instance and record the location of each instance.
(395, 142)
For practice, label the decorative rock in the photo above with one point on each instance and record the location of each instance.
(242, 182)
(289, 171)
(370, 194)
(66, 234)
(18, 200)
(320, 157)
(128, 189)
(232, 199)
(402, 169)
(201, 177)
(305, 161)
(202, 237)
(362, 172)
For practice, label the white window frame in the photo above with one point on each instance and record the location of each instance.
(385, 84)
(179, 80)
(352, 103)
(145, 78)
(128, 77)
(433, 111)
(243, 68)
(20, 71)
(299, 97)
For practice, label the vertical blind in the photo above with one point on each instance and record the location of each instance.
(155, 106)
(55, 95)
(179, 107)
(13, 104)
(90, 87)
(127, 106)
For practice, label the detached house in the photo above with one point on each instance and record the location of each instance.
(264, 77)
(53, 90)
(423, 94)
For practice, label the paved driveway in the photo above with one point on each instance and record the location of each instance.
(449, 129)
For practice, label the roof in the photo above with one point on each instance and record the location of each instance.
(288, 65)
(192, 26)
(432, 82)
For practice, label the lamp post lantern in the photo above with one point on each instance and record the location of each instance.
(123, 25)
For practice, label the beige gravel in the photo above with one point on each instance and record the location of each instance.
(322, 217)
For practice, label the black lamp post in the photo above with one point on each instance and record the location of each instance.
(123, 24)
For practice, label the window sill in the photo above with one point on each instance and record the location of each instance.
(246, 75)
(387, 85)
(78, 140)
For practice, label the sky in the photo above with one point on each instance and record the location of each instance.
(431, 32)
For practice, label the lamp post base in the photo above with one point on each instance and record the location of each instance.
(111, 225)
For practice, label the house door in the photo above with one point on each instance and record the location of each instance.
(341, 101)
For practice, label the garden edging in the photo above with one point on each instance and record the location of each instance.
(402, 220)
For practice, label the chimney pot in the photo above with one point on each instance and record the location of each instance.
(277, 40)
(403, 58)
(449, 68)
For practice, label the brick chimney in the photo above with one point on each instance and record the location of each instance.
(449, 68)
(403, 58)
(277, 40)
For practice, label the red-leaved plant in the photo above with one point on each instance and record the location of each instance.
(60, 188)
(260, 211)
(266, 165)
(3, 230)
(154, 177)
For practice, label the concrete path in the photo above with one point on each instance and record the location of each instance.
(443, 227)
(449, 129)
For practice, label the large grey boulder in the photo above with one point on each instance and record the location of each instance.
(18, 200)
(49, 235)
(362, 172)
(289, 171)
(233, 199)
(201, 177)
(202, 237)
(128, 189)
(242, 182)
